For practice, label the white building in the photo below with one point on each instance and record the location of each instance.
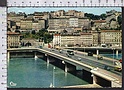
(83, 39)
(56, 40)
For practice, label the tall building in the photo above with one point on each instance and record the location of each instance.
(13, 40)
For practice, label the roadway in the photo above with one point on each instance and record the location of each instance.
(89, 60)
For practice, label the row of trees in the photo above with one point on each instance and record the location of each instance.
(95, 17)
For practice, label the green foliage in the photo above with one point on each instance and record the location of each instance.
(103, 16)
(42, 33)
(95, 17)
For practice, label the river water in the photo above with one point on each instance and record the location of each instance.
(119, 56)
(31, 73)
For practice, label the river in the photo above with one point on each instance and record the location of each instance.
(31, 73)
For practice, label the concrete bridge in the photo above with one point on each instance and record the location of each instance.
(93, 75)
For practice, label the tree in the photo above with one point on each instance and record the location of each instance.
(119, 19)
(103, 16)
(33, 32)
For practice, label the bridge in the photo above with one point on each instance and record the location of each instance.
(88, 68)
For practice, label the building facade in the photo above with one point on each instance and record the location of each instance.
(13, 40)
(111, 37)
(75, 39)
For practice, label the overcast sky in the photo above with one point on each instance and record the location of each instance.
(94, 10)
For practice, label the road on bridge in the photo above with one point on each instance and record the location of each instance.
(89, 60)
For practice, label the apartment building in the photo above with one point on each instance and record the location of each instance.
(111, 37)
(75, 39)
(26, 24)
(13, 40)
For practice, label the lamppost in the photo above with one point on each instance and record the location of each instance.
(113, 55)
(84, 50)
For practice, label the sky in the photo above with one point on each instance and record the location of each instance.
(93, 10)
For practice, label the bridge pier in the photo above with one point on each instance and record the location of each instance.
(70, 68)
(100, 81)
(87, 76)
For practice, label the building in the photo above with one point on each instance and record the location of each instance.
(95, 38)
(111, 37)
(26, 24)
(99, 24)
(75, 39)
(86, 39)
(59, 24)
(73, 22)
(56, 40)
(13, 40)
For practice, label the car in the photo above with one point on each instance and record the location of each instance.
(100, 58)
(90, 54)
(68, 55)
(107, 67)
(51, 49)
(70, 52)
(117, 68)
(60, 51)
(79, 58)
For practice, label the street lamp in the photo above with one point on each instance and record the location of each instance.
(113, 55)
(84, 50)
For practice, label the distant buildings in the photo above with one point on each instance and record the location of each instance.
(60, 24)
(108, 37)
(69, 28)
(76, 39)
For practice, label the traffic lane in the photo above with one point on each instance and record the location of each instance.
(84, 60)
(85, 54)
(95, 58)
(98, 64)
